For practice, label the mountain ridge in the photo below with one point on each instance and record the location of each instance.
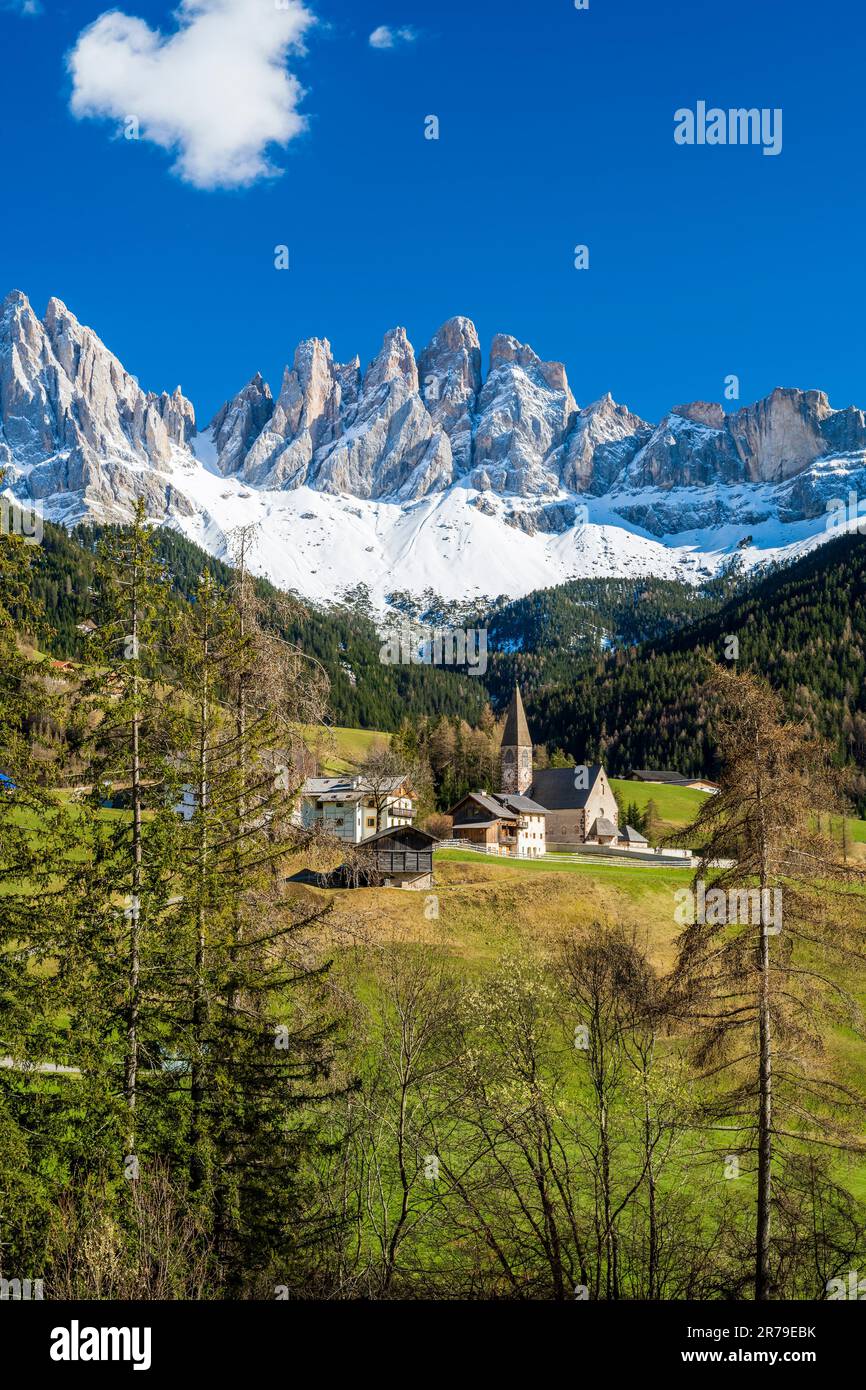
(418, 444)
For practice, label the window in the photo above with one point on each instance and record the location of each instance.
(371, 822)
(339, 820)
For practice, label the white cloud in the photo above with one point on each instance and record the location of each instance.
(387, 37)
(216, 92)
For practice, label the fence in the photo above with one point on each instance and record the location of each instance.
(661, 858)
(498, 851)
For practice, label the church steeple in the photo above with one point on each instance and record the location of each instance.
(516, 757)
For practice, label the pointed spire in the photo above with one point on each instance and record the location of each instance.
(516, 733)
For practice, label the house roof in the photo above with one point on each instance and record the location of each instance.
(523, 804)
(401, 832)
(497, 808)
(499, 805)
(673, 779)
(554, 788)
(516, 728)
(345, 788)
(475, 824)
(632, 836)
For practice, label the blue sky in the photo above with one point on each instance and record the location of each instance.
(556, 129)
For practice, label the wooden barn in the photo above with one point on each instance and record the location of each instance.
(401, 857)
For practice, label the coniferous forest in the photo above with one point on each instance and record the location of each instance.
(610, 670)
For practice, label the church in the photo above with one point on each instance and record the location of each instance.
(579, 804)
(540, 810)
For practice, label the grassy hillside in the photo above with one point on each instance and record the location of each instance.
(489, 907)
(677, 806)
(340, 749)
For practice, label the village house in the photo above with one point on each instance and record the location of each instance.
(501, 823)
(351, 809)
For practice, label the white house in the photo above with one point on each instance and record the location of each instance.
(347, 806)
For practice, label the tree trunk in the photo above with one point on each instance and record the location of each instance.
(134, 965)
(765, 1069)
(199, 1015)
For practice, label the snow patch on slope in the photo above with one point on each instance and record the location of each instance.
(321, 544)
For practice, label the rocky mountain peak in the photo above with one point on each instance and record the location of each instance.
(525, 411)
(604, 439)
(78, 431)
(15, 308)
(450, 373)
(395, 362)
(74, 417)
(236, 427)
(707, 413)
(782, 434)
(507, 351)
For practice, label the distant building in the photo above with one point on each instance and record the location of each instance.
(666, 778)
(501, 822)
(352, 810)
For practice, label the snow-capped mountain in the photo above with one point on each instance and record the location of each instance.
(421, 473)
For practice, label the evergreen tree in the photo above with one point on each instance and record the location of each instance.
(257, 1029)
(39, 846)
(131, 749)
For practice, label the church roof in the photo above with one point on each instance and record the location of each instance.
(554, 788)
(603, 826)
(516, 728)
(632, 836)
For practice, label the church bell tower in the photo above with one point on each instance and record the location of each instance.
(516, 757)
